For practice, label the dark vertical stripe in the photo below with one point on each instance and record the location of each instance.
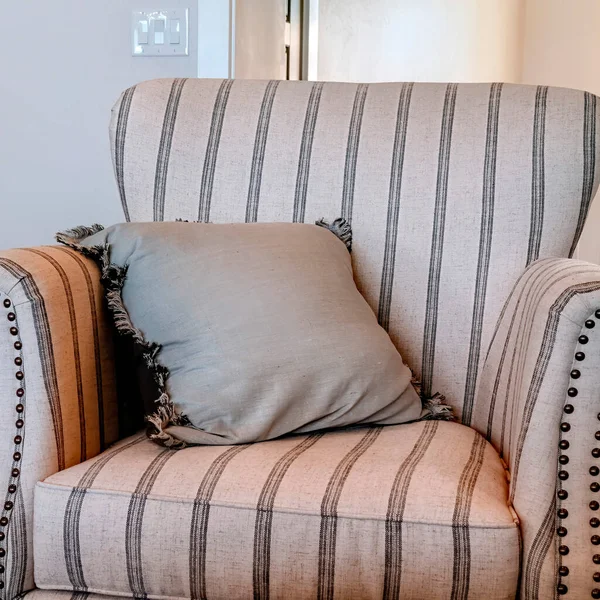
(212, 150)
(264, 516)
(258, 155)
(75, 340)
(540, 369)
(538, 175)
(589, 163)
(45, 350)
(461, 575)
(391, 231)
(395, 512)
(329, 505)
(437, 241)
(164, 149)
(16, 533)
(537, 553)
(96, 336)
(71, 539)
(352, 151)
(120, 136)
(135, 519)
(199, 526)
(308, 134)
(485, 249)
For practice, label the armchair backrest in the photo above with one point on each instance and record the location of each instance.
(452, 189)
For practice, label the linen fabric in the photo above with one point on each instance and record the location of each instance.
(380, 512)
(260, 327)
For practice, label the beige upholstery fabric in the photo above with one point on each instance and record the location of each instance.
(62, 363)
(413, 511)
(538, 375)
(453, 188)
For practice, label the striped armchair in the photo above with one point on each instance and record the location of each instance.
(467, 202)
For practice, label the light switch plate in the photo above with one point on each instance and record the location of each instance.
(159, 32)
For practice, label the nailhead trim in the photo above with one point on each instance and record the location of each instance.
(595, 593)
(562, 589)
(17, 456)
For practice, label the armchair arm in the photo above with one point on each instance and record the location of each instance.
(539, 404)
(57, 387)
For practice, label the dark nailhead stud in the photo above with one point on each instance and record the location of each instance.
(11, 316)
(595, 486)
(15, 472)
(596, 452)
(563, 494)
(597, 435)
(596, 576)
(1, 539)
(561, 531)
(4, 522)
(17, 456)
(18, 439)
(569, 408)
(595, 540)
(18, 361)
(564, 550)
(575, 374)
(579, 355)
(2, 552)
(562, 513)
(590, 324)
(562, 589)
(565, 427)
(596, 559)
(20, 408)
(563, 571)
(563, 475)
(20, 392)
(19, 423)
(563, 460)
(583, 339)
(8, 505)
(12, 488)
(563, 444)
(595, 593)
(6, 303)
(1, 585)
(19, 375)
(13, 331)
(18, 345)
(572, 392)
(594, 522)
(594, 470)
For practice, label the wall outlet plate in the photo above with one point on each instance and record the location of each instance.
(160, 32)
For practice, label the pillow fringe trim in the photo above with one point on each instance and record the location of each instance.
(112, 277)
(437, 408)
(340, 228)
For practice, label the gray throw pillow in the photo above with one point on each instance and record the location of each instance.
(250, 331)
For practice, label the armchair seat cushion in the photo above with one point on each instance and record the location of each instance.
(411, 511)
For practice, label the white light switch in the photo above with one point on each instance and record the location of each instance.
(160, 32)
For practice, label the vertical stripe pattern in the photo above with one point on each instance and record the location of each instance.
(538, 175)
(17, 545)
(460, 522)
(119, 148)
(352, 151)
(308, 134)
(135, 519)
(589, 163)
(200, 515)
(264, 516)
(395, 512)
(485, 249)
(437, 241)
(391, 230)
(328, 533)
(258, 155)
(164, 150)
(212, 150)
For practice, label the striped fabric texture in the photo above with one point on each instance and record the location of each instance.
(540, 407)
(56, 383)
(452, 190)
(290, 518)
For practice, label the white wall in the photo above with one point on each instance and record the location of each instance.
(562, 47)
(420, 40)
(63, 64)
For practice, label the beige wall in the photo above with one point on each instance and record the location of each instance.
(562, 47)
(420, 40)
